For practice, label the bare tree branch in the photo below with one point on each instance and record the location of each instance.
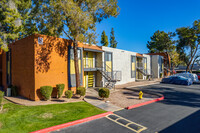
(67, 35)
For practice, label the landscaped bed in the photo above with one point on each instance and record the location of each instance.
(24, 119)
(124, 98)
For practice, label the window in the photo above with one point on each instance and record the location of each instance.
(72, 53)
(108, 56)
(108, 62)
(72, 82)
(8, 67)
(145, 64)
(133, 66)
(161, 64)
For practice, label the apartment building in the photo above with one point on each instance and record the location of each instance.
(40, 60)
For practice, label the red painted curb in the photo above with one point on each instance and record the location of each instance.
(49, 129)
(145, 103)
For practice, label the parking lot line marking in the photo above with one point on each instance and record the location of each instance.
(117, 119)
(127, 125)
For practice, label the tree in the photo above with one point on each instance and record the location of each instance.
(113, 42)
(188, 43)
(195, 60)
(175, 59)
(104, 39)
(161, 42)
(13, 15)
(77, 19)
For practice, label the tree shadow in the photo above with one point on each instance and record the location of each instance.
(189, 124)
(44, 53)
(173, 97)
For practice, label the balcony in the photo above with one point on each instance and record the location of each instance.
(89, 64)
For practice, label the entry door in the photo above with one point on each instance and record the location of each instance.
(90, 79)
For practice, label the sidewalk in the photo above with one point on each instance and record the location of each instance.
(92, 98)
(24, 101)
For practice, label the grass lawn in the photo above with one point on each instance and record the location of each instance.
(22, 119)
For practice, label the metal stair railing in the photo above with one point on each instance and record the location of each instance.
(150, 75)
(111, 76)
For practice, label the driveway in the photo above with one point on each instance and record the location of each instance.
(178, 113)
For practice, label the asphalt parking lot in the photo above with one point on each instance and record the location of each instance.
(179, 112)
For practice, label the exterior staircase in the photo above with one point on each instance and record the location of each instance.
(142, 71)
(111, 77)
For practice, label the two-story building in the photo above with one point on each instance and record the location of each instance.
(40, 60)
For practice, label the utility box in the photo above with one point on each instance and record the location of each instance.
(8, 93)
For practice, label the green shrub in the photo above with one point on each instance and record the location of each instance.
(14, 91)
(81, 91)
(60, 88)
(68, 94)
(1, 97)
(46, 92)
(161, 75)
(104, 92)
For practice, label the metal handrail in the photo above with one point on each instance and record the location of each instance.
(91, 63)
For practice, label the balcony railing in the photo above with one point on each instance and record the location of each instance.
(89, 63)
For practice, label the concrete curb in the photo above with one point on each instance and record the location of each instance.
(57, 127)
(145, 103)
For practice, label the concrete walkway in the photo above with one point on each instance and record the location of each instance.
(92, 98)
(24, 101)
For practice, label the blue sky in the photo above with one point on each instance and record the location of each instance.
(139, 19)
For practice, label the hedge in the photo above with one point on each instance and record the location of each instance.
(68, 94)
(46, 92)
(1, 97)
(104, 92)
(60, 89)
(81, 91)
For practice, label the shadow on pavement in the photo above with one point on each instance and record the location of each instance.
(173, 97)
(190, 124)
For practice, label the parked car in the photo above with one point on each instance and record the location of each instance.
(180, 80)
(188, 75)
(198, 75)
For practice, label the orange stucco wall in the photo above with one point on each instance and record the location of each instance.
(35, 65)
(51, 63)
(22, 67)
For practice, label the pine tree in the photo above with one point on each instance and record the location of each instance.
(13, 14)
(113, 42)
(104, 39)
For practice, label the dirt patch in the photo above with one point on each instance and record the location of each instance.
(4, 111)
(46, 115)
(64, 111)
(1, 124)
(124, 98)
